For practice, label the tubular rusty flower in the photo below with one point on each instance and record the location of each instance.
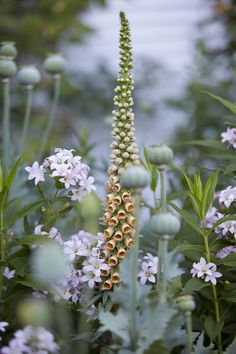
(119, 215)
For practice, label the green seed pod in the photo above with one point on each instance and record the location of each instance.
(7, 68)
(34, 311)
(165, 224)
(8, 49)
(185, 303)
(160, 155)
(135, 177)
(29, 76)
(54, 64)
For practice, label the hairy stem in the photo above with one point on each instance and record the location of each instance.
(163, 209)
(189, 338)
(6, 125)
(52, 115)
(26, 119)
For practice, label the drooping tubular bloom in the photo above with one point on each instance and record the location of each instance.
(119, 216)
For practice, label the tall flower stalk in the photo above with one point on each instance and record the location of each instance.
(119, 216)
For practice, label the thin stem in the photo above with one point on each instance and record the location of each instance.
(163, 189)
(26, 119)
(214, 293)
(52, 115)
(189, 338)
(134, 276)
(6, 124)
(164, 277)
(2, 248)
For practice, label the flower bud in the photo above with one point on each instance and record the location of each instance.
(126, 228)
(135, 177)
(185, 303)
(105, 272)
(129, 207)
(54, 64)
(115, 278)
(121, 253)
(165, 224)
(29, 76)
(113, 221)
(112, 261)
(118, 236)
(7, 68)
(8, 49)
(160, 155)
(108, 232)
(121, 214)
(107, 285)
(110, 245)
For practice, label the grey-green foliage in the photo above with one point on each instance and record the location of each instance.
(158, 324)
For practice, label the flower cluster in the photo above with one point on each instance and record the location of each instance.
(206, 271)
(149, 269)
(68, 172)
(119, 213)
(31, 340)
(226, 229)
(83, 253)
(227, 196)
(229, 137)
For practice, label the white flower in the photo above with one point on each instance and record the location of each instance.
(87, 184)
(3, 326)
(78, 194)
(9, 274)
(224, 252)
(214, 274)
(203, 269)
(211, 218)
(146, 274)
(95, 265)
(227, 196)
(91, 278)
(61, 170)
(36, 172)
(229, 137)
(68, 180)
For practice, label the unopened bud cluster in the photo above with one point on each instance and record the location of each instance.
(119, 216)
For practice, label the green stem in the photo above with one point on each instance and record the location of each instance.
(2, 248)
(163, 209)
(6, 124)
(214, 293)
(134, 276)
(163, 189)
(189, 339)
(163, 279)
(26, 119)
(52, 115)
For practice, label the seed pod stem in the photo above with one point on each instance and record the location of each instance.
(52, 115)
(6, 124)
(27, 116)
(189, 336)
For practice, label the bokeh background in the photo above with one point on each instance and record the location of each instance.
(181, 48)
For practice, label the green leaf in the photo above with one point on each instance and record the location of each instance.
(195, 284)
(213, 144)
(208, 193)
(118, 324)
(24, 211)
(12, 174)
(223, 101)
(213, 328)
(229, 261)
(191, 251)
(1, 179)
(197, 186)
(29, 240)
(196, 203)
(154, 178)
(190, 183)
(188, 218)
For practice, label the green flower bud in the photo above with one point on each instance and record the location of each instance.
(185, 303)
(29, 76)
(54, 64)
(165, 224)
(8, 49)
(135, 177)
(160, 155)
(7, 68)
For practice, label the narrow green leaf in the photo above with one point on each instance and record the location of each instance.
(220, 221)
(196, 203)
(223, 101)
(190, 183)
(24, 211)
(187, 218)
(1, 179)
(12, 174)
(208, 193)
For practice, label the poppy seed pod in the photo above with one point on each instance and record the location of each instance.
(7, 68)
(29, 76)
(185, 303)
(54, 64)
(135, 177)
(160, 155)
(165, 224)
(8, 49)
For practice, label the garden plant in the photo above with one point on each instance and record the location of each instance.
(158, 277)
